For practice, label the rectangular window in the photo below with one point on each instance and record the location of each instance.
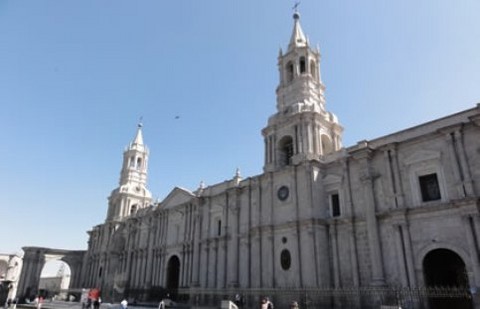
(219, 228)
(335, 205)
(429, 187)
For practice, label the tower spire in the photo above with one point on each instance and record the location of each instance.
(302, 129)
(132, 194)
(298, 38)
(139, 136)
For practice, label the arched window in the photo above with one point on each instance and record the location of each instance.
(133, 209)
(313, 69)
(303, 66)
(139, 163)
(289, 69)
(285, 259)
(285, 150)
(132, 162)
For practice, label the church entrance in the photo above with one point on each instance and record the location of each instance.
(173, 276)
(444, 268)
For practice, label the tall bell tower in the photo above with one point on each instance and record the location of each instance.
(132, 194)
(301, 129)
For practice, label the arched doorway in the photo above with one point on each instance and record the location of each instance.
(445, 268)
(173, 276)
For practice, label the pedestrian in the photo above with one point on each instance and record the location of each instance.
(39, 302)
(161, 305)
(266, 303)
(238, 300)
(124, 304)
(294, 305)
(96, 303)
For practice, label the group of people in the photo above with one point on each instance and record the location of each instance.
(38, 302)
(91, 299)
(265, 303)
(11, 303)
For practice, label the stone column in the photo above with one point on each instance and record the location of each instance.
(401, 255)
(349, 211)
(256, 267)
(468, 223)
(271, 262)
(455, 163)
(196, 249)
(367, 179)
(467, 181)
(233, 268)
(409, 255)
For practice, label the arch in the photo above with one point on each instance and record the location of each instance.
(55, 279)
(132, 161)
(173, 276)
(445, 268)
(285, 150)
(303, 65)
(133, 209)
(327, 145)
(313, 69)
(34, 260)
(289, 70)
(139, 163)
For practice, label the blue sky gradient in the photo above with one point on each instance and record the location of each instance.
(75, 77)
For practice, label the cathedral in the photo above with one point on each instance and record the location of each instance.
(401, 210)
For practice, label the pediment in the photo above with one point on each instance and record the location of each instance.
(421, 155)
(331, 179)
(177, 196)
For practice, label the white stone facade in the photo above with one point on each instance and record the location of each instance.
(10, 269)
(320, 215)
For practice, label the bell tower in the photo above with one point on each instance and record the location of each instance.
(132, 194)
(301, 129)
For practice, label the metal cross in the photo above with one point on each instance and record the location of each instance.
(297, 3)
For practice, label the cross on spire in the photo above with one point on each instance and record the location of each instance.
(295, 6)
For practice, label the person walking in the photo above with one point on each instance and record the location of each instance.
(124, 304)
(266, 303)
(39, 302)
(161, 305)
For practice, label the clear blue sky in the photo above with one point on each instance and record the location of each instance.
(75, 76)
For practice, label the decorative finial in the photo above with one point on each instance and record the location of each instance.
(140, 124)
(202, 185)
(237, 173)
(296, 15)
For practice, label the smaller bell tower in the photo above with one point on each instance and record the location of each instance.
(301, 129)
(132, 194)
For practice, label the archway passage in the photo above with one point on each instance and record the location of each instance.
(445, 268)
(173, 276)
(34, 259)
(55, 280)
